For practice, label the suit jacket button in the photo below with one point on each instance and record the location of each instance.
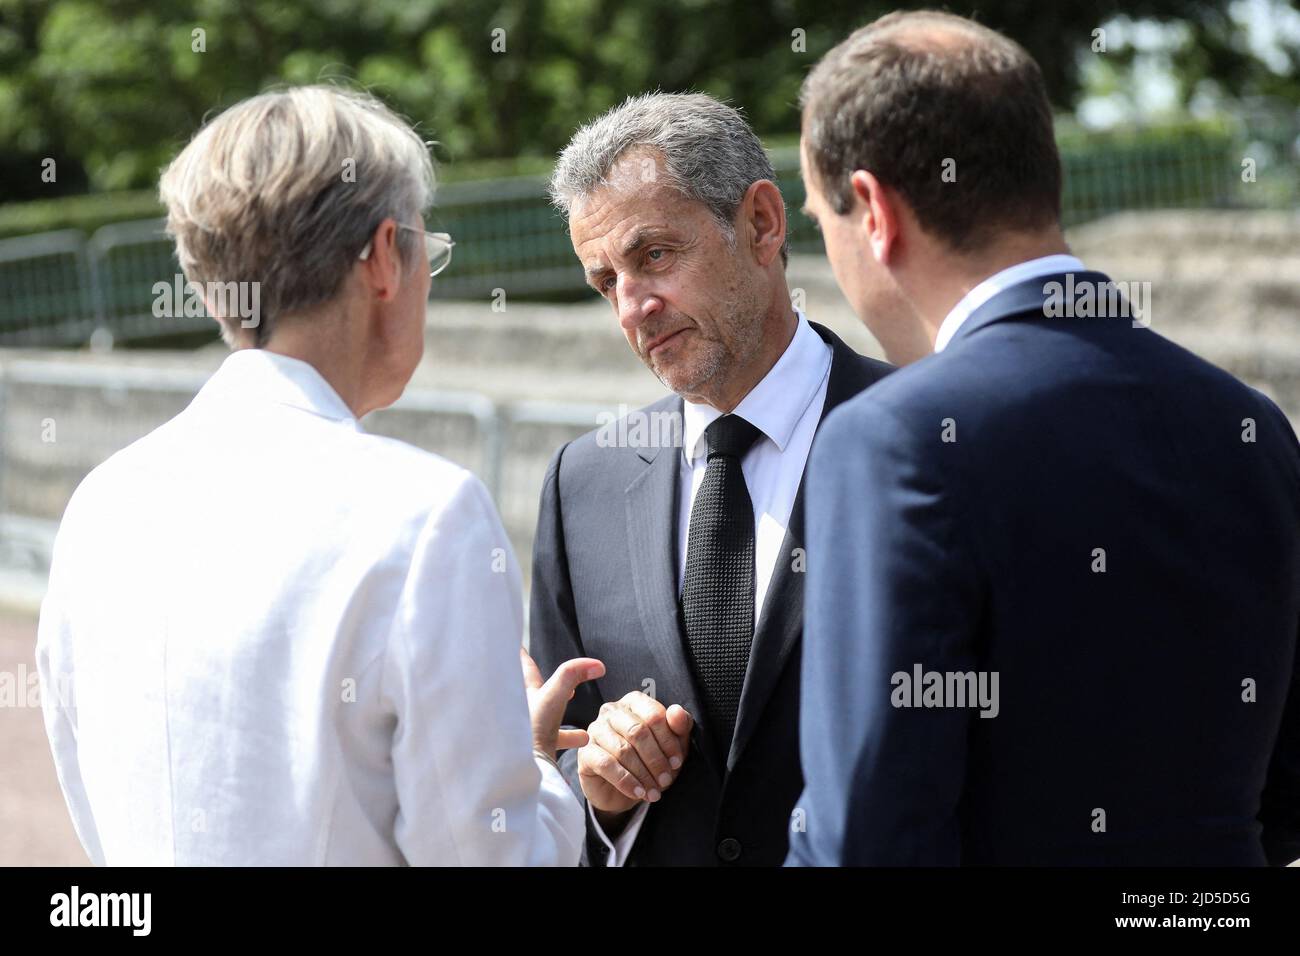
(729, 850)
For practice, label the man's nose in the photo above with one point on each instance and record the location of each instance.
(636, 303)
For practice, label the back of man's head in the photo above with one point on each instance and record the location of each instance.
(950, 114)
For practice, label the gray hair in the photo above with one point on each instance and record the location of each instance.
(709, 152)
(285, 188)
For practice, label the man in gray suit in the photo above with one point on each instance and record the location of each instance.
(675, 555)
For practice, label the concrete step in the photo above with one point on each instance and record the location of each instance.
(577, 352)
(1267, 235)
(585, 336)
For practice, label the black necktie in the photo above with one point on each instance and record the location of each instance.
(718, 592)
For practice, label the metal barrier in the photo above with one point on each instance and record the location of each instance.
(507, 236)
(58, 420)
(57, 288)
(47, 293)
(531, 433)
(127, 259)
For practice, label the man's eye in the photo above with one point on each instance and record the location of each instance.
(606, 284)
(654, 255)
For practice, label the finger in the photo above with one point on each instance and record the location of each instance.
(680, 723)
(626, 755)
(635, 729)
(594, 761)
(532, 675)
(571, 738)
(654, 716)
(570, 674)
(553, 696)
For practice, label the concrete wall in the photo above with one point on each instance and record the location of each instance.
(1226, 285)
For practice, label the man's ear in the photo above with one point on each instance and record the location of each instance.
(877, 207)
(382, 269)
(763, 210)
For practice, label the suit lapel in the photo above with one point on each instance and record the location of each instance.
(781, 624)
(651, 503)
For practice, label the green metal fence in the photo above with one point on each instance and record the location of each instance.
(58, 288)
(46, 289)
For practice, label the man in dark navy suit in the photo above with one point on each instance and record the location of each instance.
(1053, 567)
(670, 545)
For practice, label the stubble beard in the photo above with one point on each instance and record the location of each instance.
(714, 360)
(690, 376)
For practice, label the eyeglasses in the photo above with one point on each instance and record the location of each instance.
(437, 248)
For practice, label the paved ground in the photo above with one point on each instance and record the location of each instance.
(35, 829)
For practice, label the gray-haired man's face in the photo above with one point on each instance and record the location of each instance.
(687, 302)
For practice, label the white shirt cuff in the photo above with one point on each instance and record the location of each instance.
(560, 819)
(619, 848)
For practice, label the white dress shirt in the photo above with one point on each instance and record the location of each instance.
(999, 282)
(786, 407)
(273, 638)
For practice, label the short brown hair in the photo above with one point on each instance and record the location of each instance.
(915, 94)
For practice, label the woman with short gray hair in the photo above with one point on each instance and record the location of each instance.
(288, 641)
(286, 188)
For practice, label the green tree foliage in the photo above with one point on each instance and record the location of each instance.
(110, 89)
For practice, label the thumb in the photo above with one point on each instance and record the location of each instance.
(679, 721)
(554, 695)
(568, 675)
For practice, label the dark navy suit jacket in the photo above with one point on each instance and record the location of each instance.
(1147, 713)
(605, 585)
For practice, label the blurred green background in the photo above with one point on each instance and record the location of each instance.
(1158, 100)
(111, 89)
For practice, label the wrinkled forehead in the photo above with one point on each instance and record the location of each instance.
(634, 200)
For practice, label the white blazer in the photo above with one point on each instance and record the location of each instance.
(272, 638)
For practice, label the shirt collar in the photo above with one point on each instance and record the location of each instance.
(262, 376)
(976, 297)
(775, 405)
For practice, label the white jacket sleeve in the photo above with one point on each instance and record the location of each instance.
(58, 703)
(467, 780)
